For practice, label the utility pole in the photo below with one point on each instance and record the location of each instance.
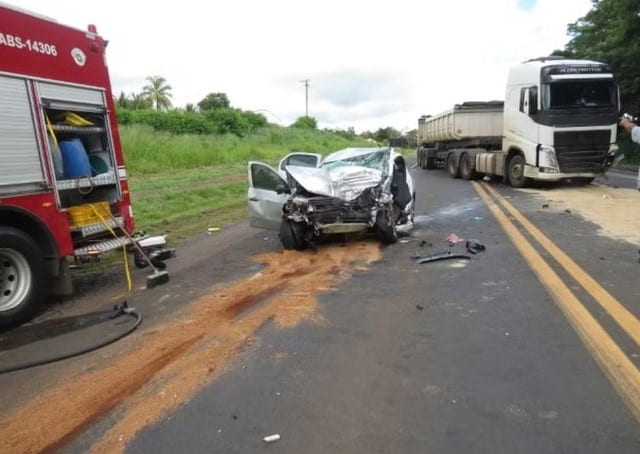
(306, 96)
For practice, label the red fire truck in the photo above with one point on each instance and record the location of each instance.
(63, 186)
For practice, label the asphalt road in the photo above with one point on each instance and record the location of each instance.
(451, 357)
(620, 179)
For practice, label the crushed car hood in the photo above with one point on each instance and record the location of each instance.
(344, 182)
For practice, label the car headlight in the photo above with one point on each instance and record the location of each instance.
(547, 160)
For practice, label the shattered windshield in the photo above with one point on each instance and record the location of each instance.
(378, 160)
(577, 94)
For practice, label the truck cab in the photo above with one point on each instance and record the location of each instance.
(560, 118)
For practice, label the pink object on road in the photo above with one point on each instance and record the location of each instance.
(454, 239)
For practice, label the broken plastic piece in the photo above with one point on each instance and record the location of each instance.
(271, 438)
(441, 256)
(213, 229)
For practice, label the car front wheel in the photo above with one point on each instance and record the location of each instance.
(292, 235)
(385, 227)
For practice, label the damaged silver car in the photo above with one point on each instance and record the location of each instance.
(351, 190)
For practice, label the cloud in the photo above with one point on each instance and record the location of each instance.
(353, 88)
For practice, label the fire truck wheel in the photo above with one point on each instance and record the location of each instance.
(23, 279)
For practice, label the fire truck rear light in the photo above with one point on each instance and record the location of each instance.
(47, 205)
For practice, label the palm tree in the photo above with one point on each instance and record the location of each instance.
(158, 91)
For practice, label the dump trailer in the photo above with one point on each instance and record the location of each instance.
(64, 192)
(558, 121)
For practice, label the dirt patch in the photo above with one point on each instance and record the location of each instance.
(615, 211)
(177, 359)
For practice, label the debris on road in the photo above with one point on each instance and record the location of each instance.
(424, 243)
(441, 256)
(568, 211)
(271, 438)
(419, 307)
(211, 230)
(474, 246)
(545, 205)
(454, 239)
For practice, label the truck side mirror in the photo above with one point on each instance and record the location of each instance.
(533, 100)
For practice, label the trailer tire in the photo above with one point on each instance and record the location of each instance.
(452, 166)
(23, 280)
(292, 236)
(515, 172)
(420, 158)
(468, 167)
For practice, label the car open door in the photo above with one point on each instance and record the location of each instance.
(265, 204)
(302, 159)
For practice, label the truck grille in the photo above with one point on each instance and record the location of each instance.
(582, 151)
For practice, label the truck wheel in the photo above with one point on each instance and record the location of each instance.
(23, 280)
(431, 161)
(516, 172)
(420, 158)
(468, 167)
(452, 166)
(385, 227)
(292, 235)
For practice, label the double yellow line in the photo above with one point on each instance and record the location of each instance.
(622, 373)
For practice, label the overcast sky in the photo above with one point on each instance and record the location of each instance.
(371, 63)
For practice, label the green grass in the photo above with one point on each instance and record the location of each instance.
(148, 151)
(182, 184)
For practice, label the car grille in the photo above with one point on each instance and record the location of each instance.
(582, 151)
(327, 210)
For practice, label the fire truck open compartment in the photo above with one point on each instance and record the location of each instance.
(77, 114)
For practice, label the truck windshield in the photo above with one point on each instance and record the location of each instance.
(580, 94)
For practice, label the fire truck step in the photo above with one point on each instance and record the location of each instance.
(101, 247)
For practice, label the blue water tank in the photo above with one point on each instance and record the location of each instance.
(75, 159)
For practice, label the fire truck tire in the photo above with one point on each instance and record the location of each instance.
(23, 280)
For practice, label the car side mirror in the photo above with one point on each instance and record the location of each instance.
(282, 188)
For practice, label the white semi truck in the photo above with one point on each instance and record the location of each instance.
(558, 121)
